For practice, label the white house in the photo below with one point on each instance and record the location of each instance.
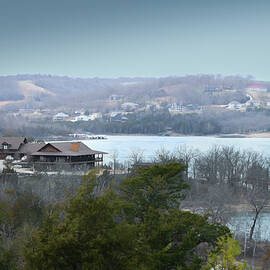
(129, 106)
(175, 108)
(267, 103)
(257, 88)
(116, 97)
(94, 116)
(235, 105)
(82, 118)
(60, 117)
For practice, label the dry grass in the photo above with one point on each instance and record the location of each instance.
(28, 89)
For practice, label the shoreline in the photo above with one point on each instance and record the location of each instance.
(247, 135)
(259, 135)
(223, 136)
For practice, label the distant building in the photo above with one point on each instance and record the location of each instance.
(11, 146)
(60, 117)
(257, 88)
(50, 154)
(61, 154)
(212, 88)
(124, 118)
(235, 105)
(116, 97)
(86, 118)
(94, 116)
(129, 106)
(79, 112)
(82, 118)
(175, 108)
(153, 107)
(117, 117)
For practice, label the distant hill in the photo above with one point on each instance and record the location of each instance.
(46, 91)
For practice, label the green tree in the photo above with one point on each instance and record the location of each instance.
(139, 227)
(169, 238)
(27, 209)
(84, 235)
(223, 256)
(159, 187)
(8, 256)
(17, 211)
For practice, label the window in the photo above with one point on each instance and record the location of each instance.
(5, 146)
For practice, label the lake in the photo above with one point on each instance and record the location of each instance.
(149, 144)
(240, 224)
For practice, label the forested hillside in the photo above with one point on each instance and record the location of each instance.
(94, 91)
(193, 104)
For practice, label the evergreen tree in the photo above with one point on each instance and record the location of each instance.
(141, 226)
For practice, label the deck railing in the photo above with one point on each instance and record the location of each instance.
(59, 162)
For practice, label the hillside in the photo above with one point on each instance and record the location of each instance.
(45, 91)
(24, 93)
(190, 105)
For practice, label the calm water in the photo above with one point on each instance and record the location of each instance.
(239, 224)
(149, 144)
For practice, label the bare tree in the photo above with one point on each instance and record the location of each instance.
(163, 155)
(218, 203)
(207, 165)
(232, 160)
(136, 156)
(187, 155)
(114, 157)
(258, 198)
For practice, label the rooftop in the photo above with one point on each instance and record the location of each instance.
(64, 149)
(14, 142)
(256, 86)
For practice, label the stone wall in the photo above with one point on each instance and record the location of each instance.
(51, 188)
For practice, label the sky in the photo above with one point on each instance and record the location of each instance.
(135, 38)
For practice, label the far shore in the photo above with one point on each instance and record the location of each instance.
(248, 135)
(228, 136)
(259, 135)
(233, 135)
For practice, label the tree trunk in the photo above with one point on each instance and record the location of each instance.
(253, 225)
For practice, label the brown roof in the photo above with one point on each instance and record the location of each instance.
(66, 149)
(14, 142)
(30, 148)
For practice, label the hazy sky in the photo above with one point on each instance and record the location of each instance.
(119, 38)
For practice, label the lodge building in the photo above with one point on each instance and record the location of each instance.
(50, 155)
